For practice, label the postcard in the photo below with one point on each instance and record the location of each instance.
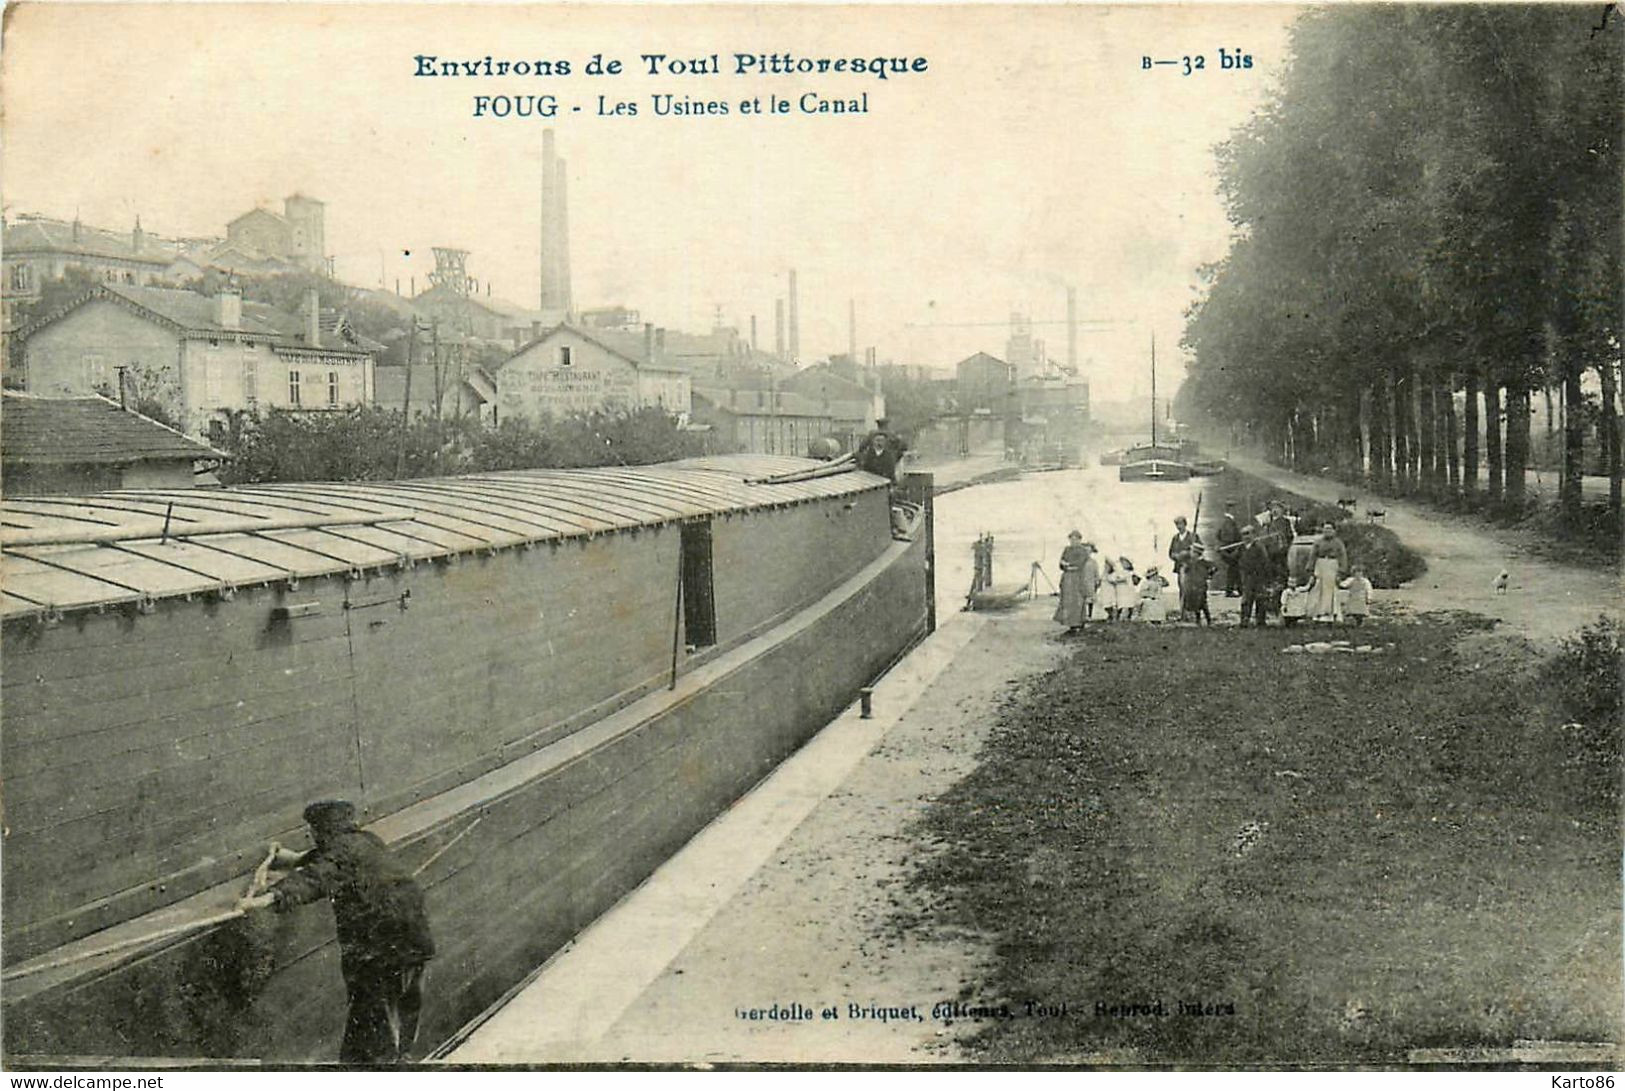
(798, 535)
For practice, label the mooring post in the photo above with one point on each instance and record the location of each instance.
(866, 698)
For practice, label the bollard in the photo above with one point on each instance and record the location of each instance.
(866, 697)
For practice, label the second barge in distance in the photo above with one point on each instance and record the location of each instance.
(537, 685)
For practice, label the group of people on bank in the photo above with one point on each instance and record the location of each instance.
(1263, 562)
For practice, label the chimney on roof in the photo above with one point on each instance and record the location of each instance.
(535, 329)
(648, 342)
(313, 317)
(138, 237)
(228, 308)
(78, 229)
(660, 346)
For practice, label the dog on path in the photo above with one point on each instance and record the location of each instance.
(1499, 585)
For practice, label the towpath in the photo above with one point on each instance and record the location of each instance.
(1545, 600)
(785, 905)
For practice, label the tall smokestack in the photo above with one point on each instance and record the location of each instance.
(852, 330)
(545, 242)
(795, 320)
(1072, 329)
(555, 239)
(753, 333)
(778, 328)
(563, 219)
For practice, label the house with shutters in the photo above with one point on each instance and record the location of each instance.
(200, 358)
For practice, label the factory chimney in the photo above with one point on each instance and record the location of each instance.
(563, 220)
(555, 239)
(795, 321)
(778, 328)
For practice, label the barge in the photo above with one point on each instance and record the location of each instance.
(536, 686)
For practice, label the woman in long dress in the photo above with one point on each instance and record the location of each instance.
(1331, 565)
(1075, 565)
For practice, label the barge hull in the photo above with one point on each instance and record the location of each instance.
(525, 861)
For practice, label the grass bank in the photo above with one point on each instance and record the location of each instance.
(1335, 858)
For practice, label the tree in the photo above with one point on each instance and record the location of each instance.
(1429, 203)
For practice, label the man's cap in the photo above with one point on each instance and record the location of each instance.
(330, 814)
(1078, 534)
(1179, 521)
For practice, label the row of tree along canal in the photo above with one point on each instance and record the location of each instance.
(1429, 222)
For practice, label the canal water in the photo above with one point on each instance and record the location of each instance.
(1031, 516)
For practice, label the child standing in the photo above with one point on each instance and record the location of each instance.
(1152, 606)
(1197, 571)
(1356, 595)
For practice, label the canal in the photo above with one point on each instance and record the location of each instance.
(1030, 517)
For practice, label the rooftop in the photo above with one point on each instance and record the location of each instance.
(58, 431)
(196, 313)
(63, 553)
(37, 234)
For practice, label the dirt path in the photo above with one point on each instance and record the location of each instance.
(811, 927)
(1545, 600)
(798, 916)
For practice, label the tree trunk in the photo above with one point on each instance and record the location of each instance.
(1469, 433)
(1516, 447)
(1427, 415)
(1492, 441)
(1402, 430)
(1610, 433)
(1574, 444)
(1381, 433)
(1452, 440)
(1353, 442)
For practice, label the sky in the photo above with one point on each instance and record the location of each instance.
(1033, 153)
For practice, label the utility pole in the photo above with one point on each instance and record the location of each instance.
(439, 392)
(406, 404)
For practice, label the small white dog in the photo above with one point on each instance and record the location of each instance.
(1500, 584)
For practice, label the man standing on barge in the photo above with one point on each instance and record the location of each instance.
(383, 929)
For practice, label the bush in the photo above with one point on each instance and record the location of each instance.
(375, 444)
(1585, 676)
(1388, 561)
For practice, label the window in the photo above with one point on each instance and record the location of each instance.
(214, 364)
(564, 356)
(95, 366)
(293, 388)
(21, 278)
(251, 377)
(699, 602)
(332, 388)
